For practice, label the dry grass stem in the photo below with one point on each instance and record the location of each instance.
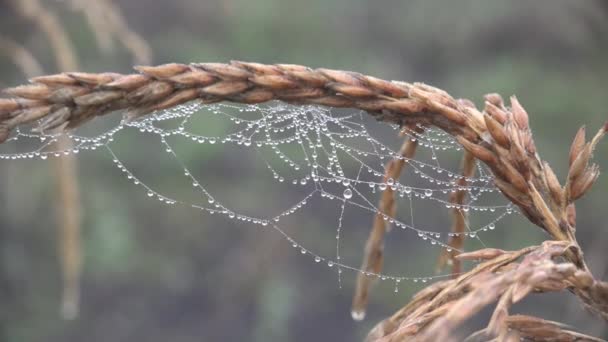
(535, 329)
(20, 56)
(374, 248)
(108, 24)
(65, 169)
(459, 218)
(69, 219)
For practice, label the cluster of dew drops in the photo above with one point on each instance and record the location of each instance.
(325, 141)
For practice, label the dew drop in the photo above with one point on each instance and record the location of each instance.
(348, 193)
(358, 315)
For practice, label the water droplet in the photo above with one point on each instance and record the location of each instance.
(428, 192)
(348, 193)
(330, 263)
(492, 226)
(358, 315)
(317, 259)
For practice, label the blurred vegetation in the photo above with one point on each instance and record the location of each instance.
(155, 273)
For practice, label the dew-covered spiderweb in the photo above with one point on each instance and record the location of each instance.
(299, 164)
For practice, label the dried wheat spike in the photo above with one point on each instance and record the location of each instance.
(505, 278)
(498, 136)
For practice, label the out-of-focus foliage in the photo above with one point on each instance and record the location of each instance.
(154, 273)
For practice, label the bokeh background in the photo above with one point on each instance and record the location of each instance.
(157, 273)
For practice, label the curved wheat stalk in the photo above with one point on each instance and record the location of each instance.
(499, 136)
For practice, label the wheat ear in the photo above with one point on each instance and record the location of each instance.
(499, 136)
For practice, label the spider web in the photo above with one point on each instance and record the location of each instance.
(332, 158)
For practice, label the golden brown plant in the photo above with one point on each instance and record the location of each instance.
(68, 211)
(108, 24)
(105, 19)
(459, 217)
(499, 136)
(374, 248)
(20, 56)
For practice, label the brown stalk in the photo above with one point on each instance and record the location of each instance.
(65, 168)
(108, 24)
(536, 329)
(491, 282)
(459, 217)
(70, 99)
(373, 258)
(20, 56)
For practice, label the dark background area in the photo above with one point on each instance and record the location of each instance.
(159, 273)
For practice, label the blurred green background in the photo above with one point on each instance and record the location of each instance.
(156, 273)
